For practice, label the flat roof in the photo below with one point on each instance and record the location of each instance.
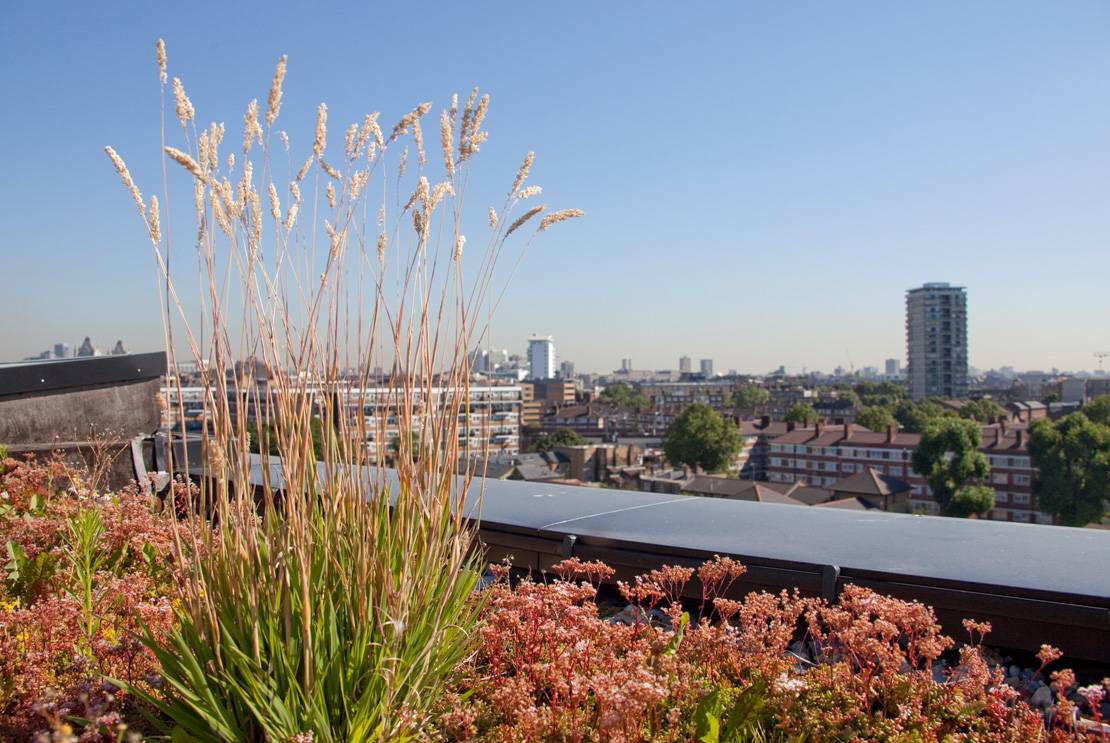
(993, 555)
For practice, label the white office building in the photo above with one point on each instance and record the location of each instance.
(541, 357)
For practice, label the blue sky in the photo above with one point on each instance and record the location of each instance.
(762, 181)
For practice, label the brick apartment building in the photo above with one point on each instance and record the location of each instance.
(821, 455)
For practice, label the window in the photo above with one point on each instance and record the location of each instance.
(1021, 498)
(1021, 479)
(1001, 497)
(998, 478)
(895, 470)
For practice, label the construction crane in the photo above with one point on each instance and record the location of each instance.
(1100, 355)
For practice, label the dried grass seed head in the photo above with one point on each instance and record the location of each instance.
(251, 128)
(524, 218)
(160, 55)
(273, 103)
(183, 105)
(154, 225)
(408, 120)
(349, 141)
(304, 168)
(185, 160)
(447, 143)
(522, 173)
(128, 182)
(291, 216)
(330, 169)
(320, 143)
(559, 216)
(275, 203)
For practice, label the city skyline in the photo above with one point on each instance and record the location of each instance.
(963, 158)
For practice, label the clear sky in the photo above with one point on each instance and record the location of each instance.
(762, 181)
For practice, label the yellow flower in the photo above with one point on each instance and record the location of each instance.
(9, 605)
(110, 634)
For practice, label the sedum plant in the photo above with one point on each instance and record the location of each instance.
(333, 600)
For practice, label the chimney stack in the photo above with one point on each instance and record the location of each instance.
(790, 425)
(1021, 438)
(890, 431)
(805, 422)
(819, 427)
(765, 421)
(998, 436)
(847, 431)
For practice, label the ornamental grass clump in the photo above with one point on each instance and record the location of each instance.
(333, 600)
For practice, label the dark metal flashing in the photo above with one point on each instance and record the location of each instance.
(37, 377)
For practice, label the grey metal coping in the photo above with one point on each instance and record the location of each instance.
(1036, 561)
(32, 377)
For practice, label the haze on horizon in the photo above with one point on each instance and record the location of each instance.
(762, 183)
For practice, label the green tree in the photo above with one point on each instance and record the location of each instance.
(971, 499)
(700, 437)
(265, 436)
(876, 418)
(750, 396)
(949, 459)
(624, 396)
(982, 410)
(800, 413)
(844, 392)
(1098, 410)
(881, 394)
(914, 416)
(1072, 457)
(562, 437)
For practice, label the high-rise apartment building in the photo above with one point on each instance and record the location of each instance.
(566, 370)
(707, 367)
(936, 341)
(61, 351)
(541, 357)
(685, 365)
(892, 367)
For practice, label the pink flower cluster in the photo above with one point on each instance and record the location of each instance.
(549, 667)
(51, 667)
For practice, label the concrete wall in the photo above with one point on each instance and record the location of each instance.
(84, 422)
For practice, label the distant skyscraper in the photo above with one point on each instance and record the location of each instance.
(891, 367)
(685, 365)
(566, 370)
(61, 350)
(936, 341)
(119, 350)
(87, 348)
(541, 357)
(626, 365)
(707, 367)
